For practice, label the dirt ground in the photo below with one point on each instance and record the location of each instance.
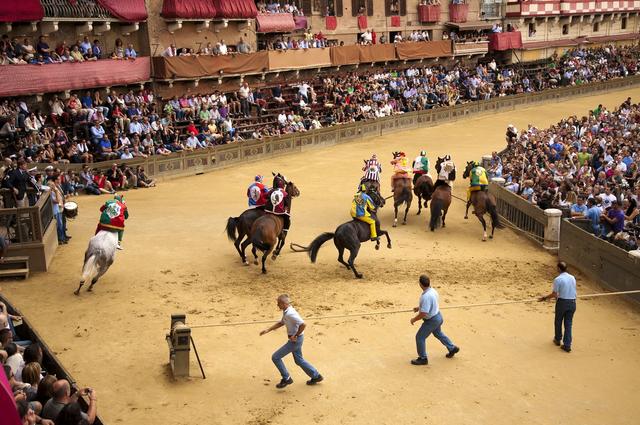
(177, 259)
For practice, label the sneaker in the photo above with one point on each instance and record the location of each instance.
(453, 352)
(315, 380)
(556, 342)
(284, 382)
(119, 247)
(565, 348)
(420, 361)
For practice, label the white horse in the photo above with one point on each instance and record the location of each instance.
(98, 258)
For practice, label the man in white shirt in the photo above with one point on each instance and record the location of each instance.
(223, 48)
(295, 332)
(429, 312)
(170, 51)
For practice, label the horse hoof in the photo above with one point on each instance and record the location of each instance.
(395, 224)
(89, 289)
(264, 272)
(359, 276)
(273, 257)
(76, 292)
(491, 237)
(245, 262)
(255, 262)
(484, 239)
(432, 229)
(466, 218)
(377, 247)
(389, 246)
(404, 223)
(418, 213)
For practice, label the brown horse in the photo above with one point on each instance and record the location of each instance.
(239, 227)
(482, 202)
(440, 201)
(266, 231)
(401, 195)
(423, 189)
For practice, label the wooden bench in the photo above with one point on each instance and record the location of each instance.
(14, 267)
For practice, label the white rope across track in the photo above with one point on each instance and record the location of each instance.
(386, 312)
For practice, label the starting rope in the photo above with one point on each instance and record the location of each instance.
(387, 312)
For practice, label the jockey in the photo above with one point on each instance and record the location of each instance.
(420, 166)
(372, 169)
(114, 213)
(361, 209)
(479, 180)
(447, 172)
(401, 167)
(277, 203)
(257, 193)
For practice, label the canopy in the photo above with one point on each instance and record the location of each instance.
(188, 9)
(20, 10)
(471, 25)
(277, 22)
(505, 40)
(236, 9)
(128, 11)
(7, 405)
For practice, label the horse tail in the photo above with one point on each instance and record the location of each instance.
(232, 225)
(90, 268)
(256, 240)
(314, 247)
(495, 218)
(436, 212)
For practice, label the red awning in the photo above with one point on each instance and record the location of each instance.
(188, 9)
(17, 80)
(236, 9)
(20, 10)
(505, 40)
(128, 11)
(277, 22)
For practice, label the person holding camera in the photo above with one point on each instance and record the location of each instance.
(62, 397)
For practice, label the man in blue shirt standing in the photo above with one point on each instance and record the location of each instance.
(565, 293)
(429, 312)
(593, 213)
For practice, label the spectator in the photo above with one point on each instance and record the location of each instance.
(62, 397)
(130, 52)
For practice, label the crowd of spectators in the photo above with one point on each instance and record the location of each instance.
(40, 397)
(587, 166)
(93, 126)
(16, 52)
(272, 7)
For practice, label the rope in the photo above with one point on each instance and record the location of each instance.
(380, 313)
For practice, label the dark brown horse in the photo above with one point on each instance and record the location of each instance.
(266, 232)
(482, 202)
(401, 195)
(440, 201)
(423, 189)
(240, 227)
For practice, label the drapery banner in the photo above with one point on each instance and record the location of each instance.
(345, 55)
(301, 22)
(16, 80)
(305, 58)
(206, 66)
(458, 12)
(362, 22)
(505, 40)
(331, 22)
(395, 21)
(20, 10)
(188, 9)
(424, 49)
(377, 53)
(429, 12)
(128, 11)
(276, 22)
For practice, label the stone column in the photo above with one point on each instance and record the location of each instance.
(552, 229)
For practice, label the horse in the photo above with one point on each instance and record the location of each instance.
(242, 224)
(267, 233)
(98, 258)
(440, 202)
(401, 195)
(423, 189)
(483, 202)
(350, 236)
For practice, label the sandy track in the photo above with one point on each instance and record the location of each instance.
(177, 259)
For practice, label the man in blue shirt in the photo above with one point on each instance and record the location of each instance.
(579, 209)
(593, 213)
(564, 291)
(429, 312)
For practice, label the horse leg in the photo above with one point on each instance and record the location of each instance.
(406, 211)
(352, 256)
(466, 212)
(444, 215)
(264, 260)
(395, 216)
(385, 233)
(93, 282)
(484, 227)
(77, 291)
(419, 204)
(279, 245)
(341, 257)
(237, 243)
(243, 249)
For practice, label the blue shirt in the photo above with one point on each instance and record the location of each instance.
(565, 286)
(429, 303)
(593, 214)
(579, 208)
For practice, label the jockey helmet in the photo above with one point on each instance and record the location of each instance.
(476, 164)
(258, 178)
(119, 197)
(423, 153)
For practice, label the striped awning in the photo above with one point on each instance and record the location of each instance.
(277, 22)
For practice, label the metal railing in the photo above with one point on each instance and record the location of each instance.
(79, 9)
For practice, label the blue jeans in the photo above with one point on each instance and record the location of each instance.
(59, 226)
(431, 326)
(296, 349)
(564, 313)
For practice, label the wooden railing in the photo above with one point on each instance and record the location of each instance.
(27, 225)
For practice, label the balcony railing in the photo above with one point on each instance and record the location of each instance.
(523, 8)
(79, 9)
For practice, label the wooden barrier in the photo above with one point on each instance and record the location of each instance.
(614, 267)
(528, 218)
(201, 161)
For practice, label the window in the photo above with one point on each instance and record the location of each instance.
(532, 30)
(565, 29)
(623, 24)
(395, 7)
(362, 7)
(596, 26)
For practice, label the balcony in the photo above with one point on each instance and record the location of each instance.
(429, 13)
(471, 49)
(533, 8)
(505, 41)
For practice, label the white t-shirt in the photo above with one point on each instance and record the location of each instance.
(607, 200)
(291, 320)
